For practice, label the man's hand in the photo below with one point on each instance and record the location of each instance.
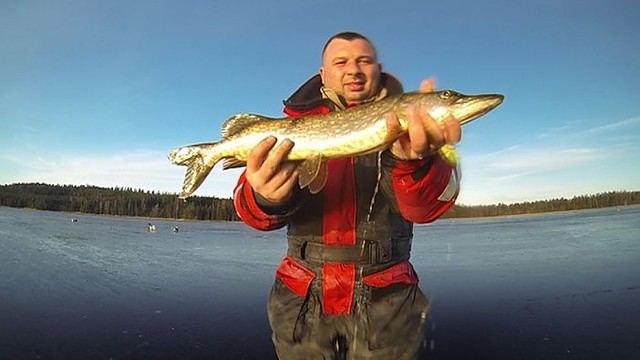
(424, 136)
(269, 174)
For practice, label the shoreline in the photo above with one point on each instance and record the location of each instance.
(438, 220)
(547, 213)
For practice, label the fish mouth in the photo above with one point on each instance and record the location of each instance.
(472, 107)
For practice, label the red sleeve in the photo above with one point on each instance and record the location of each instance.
(244, 199)
(424, 189)
(250, 212)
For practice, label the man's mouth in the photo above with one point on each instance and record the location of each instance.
(354, 86)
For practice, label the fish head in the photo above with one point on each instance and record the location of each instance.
(464, 108)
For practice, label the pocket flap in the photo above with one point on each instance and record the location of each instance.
(295, 276)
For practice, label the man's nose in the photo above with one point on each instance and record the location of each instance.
(353, 67)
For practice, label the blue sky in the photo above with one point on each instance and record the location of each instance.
(98, 92)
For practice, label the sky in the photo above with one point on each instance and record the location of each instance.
(99, 92)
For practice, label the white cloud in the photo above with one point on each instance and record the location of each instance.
(614, 126)
(147, 170)
(539, 160)
(575, 130)
(538, 172)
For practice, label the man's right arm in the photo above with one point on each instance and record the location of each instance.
(267, 192)
(258, 213)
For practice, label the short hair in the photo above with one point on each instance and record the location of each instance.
(349, 36)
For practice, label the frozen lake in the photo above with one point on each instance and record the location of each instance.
(553, 286)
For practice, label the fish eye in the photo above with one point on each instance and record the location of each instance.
(446, 94)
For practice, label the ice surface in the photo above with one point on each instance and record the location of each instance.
(552, 286)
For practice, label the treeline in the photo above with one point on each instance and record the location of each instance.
(115, 201)
(131, 202)
(601, 200)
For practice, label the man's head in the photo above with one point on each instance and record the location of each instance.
(350, 67)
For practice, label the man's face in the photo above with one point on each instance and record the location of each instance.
(351, 69)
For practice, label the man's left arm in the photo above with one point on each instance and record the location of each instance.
(422, 189)
(420, 166)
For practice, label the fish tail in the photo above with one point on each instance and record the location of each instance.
(198, 165)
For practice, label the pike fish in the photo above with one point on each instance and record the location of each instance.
(318, 138)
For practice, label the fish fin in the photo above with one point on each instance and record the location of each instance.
(308, 170)
(230, 163)
(320, 180)
(197, 169)
(239, 122)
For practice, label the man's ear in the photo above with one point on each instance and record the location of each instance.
(321, 72)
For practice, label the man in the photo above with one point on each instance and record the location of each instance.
(346, 285)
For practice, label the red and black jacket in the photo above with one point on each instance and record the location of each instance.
(360, 226)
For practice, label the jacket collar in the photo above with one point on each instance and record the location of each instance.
(312, 94)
